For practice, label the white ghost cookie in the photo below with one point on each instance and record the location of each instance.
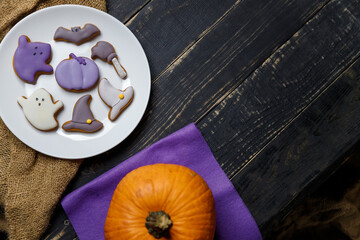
(114, 98)
(40, 109)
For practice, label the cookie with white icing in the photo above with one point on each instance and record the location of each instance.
(41, 110)
(114, 98)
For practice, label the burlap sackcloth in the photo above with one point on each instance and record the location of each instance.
(30, 183)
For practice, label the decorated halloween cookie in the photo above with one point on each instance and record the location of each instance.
(77, 35)
(31, 59)
(114, 98)
(106, 52)
(40, 109)
(77, 73)
(82, 119)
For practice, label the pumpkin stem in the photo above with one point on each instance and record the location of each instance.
(158, 224)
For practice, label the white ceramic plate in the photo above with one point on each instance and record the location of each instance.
(40, 27)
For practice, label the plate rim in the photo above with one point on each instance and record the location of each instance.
(145, 105)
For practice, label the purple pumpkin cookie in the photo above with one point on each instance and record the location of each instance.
(82, 119)
(77, 73)
(32, 59)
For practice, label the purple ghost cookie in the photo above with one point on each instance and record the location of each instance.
(31, 59)
(82, 119)
(77, 73)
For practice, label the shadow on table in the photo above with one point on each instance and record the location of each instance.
(332, 212)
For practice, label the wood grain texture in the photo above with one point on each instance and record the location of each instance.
(166, 29)
(207, 72)
(283, 86)
(205, 66)
(124, 10)
(305, 152)
(275, 95)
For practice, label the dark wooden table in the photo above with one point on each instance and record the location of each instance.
(273, 85)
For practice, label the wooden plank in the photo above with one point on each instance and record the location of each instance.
(125, 9)
(166, 29)
(157, 15)
(304, 153)
(219, 61)
(240, 128)
(283, 86)
(207, 72)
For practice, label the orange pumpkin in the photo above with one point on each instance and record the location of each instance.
(162, 201)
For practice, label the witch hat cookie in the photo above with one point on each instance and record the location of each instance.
(114, 98)
(82, 119)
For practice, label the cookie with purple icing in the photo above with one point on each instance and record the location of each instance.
(77, 74)
(106, 52)
(31, 59)
(117, 100)
(77, 35)
(82, 119)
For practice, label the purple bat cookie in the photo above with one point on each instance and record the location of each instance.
(77, 73)
(77, 35)
(31, 59)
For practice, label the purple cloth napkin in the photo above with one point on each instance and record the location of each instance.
(87, 206)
